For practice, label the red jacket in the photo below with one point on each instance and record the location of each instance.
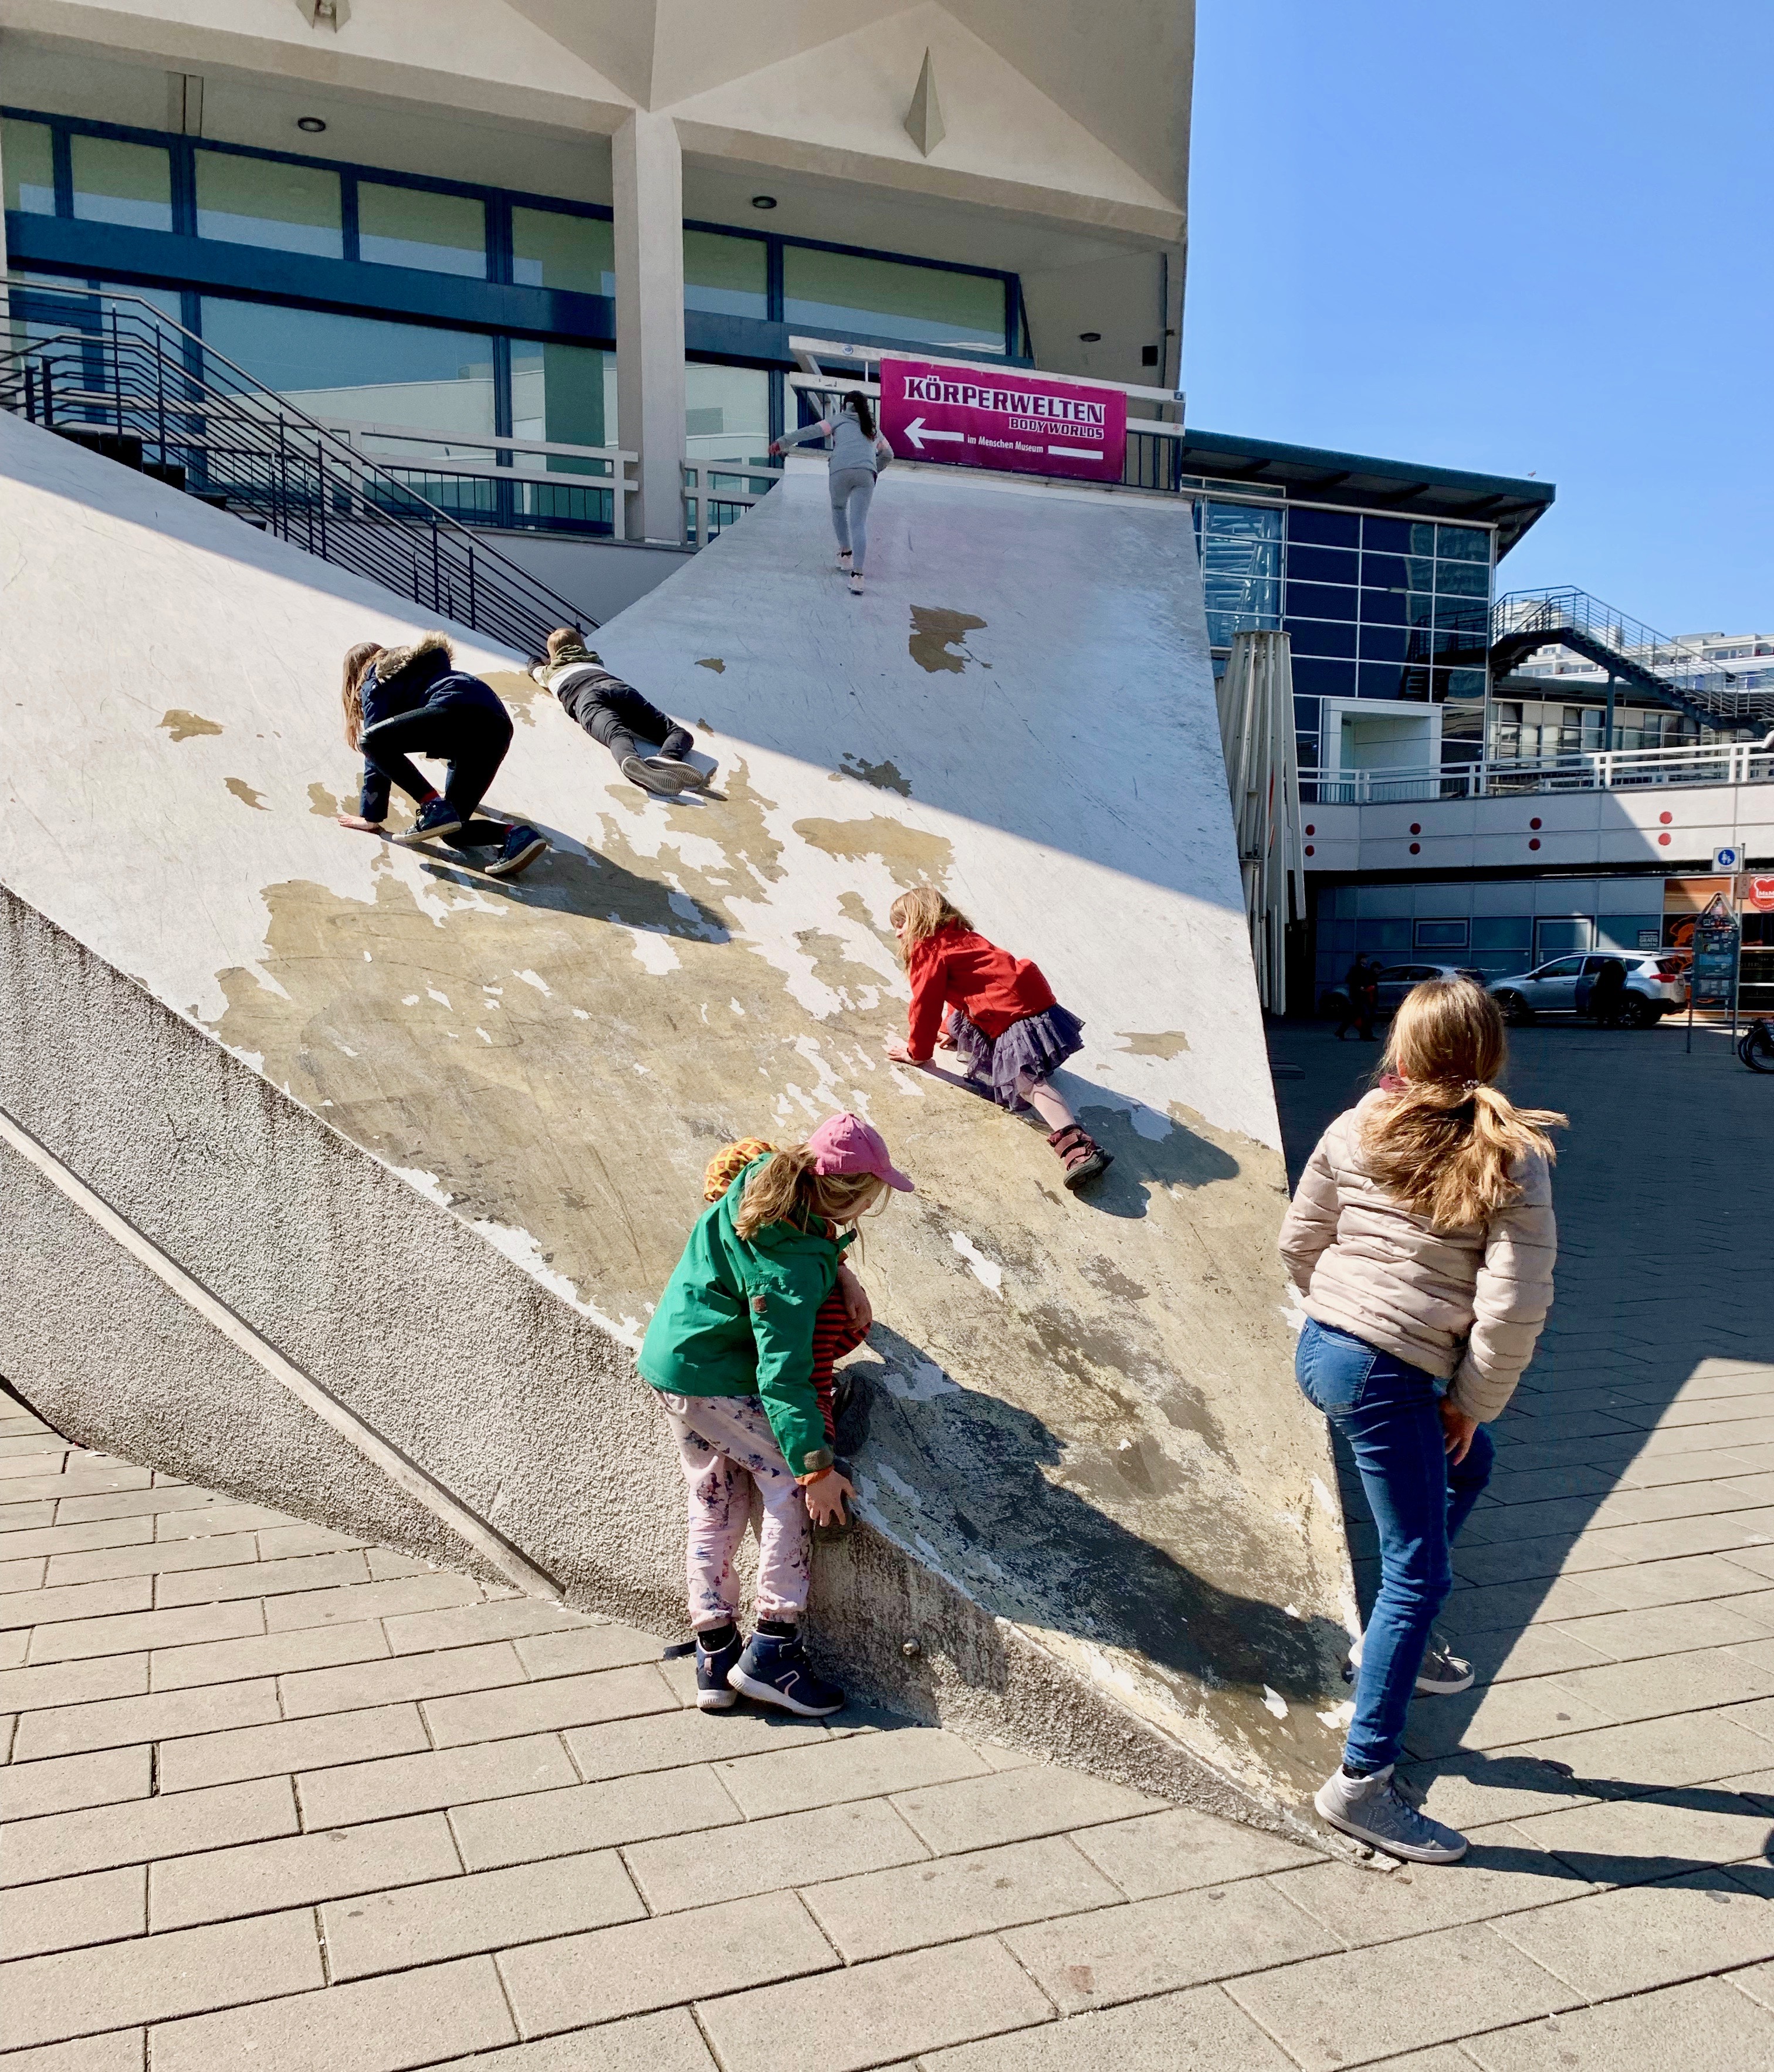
(955, 968)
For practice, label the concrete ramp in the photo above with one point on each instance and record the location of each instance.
(1098, 1516)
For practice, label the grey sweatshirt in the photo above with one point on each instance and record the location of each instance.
(851, 445)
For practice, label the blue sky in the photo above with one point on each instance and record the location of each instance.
(1521, 236)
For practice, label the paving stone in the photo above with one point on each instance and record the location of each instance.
(77, 1483)
(265, 1654)
(1541, 1651)
(1688, 1580)
(385, 1564)
(1660, 1470)
(860, 1766)
(255, 1578)
(142, 1830)
(196, 1521)
(591, 1816)
(1758, 1983)
(563, 1701)
(26, 1573)
(65, 1783)
(1706, 2023)
(39, 1608)
(12, 1647)
(375, 2026)
(672, 1741)
(577, 1649)
(147, 1557)
(1198, 2031)
(1180, 1848)
(510, 1618)
(156, 1977)
(979, 1812)
(279, 1543)
(122, 2050)
(357, 1601)
(424, 1924)
(1735, 1433)
(1518, 1559)
(81, 1638)
(291, 1744)
(1633, 1841)
(1670, 1538)
(262, 1876)
(1155, 1946)
(75, 1684)
(1503, 1715)
(1671, 1629)
(398, 1679)
(68, 1913)
(695, 1868)
(1495, 1607)
(1681, 1683)
(54, 1541)
(666, 2042)
(1503, 1873)
(871, 2014)
(415, 1783)
(37, 1516)
(878, 1914)
(119, 1722)
(1334, 2012)
(1644, 1935)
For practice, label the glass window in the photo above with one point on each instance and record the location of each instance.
(1441, 934)
(1464, 684)
(1240, 567)
(727, 277)
(167, 301)
(264, 202)
(439, 233)
(1328, 564)
(1383, 608)
(1381, 679)
(1320, 601)
(551, 250)
(1465, 614)
(1384, 571)
(1422, 539)
(1306, 715)
(1324, 528)
(1462, 578)
(1321, 636)
(127, 183)
(1383, 643)
(565, 394)
(1329, 680)
(1420, 609)
(727, 412)
(1386, 536)
(827, 291)
(26, 151)
(1463, 543)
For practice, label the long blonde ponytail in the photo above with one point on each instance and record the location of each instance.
(351, 691)
(1447, 1142)
(789, 1190)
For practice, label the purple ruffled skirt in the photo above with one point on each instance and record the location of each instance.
(1033, 1048)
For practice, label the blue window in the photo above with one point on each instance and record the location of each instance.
(1324, 528)
(438, 234)
(1382, 680)
(1463, 579)
(551, 248)
(1386, 536)
(1385, 572)
(1326, 564)
(270, 203)
(119, 182)
(1383, 608)
(1320, 601)
(1240, 567)
(1323, 636)
(1463, 543)
(1327, 679)
(824, 291)
(27, 150)
(1441, 934)
(1384, 644)
(727, 277)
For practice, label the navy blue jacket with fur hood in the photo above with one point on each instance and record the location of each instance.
(402, 679)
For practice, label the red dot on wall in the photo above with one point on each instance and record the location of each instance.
(1416, 849)
(1308, 849)
(1666, 818)
(1309, 828)
(1534, 824)
(1416, 828)
(1533, 842)
(1663, 839)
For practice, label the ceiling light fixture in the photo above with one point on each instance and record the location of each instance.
(1089, 337)
(311, 123)
(763, 201)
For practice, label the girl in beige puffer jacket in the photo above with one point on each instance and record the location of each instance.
(1421, 1239)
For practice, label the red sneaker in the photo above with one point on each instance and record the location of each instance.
(1080, 1154)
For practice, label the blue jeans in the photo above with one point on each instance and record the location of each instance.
(1389, 1412)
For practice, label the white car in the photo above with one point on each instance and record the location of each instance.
(1655, 985)
(1395, 981)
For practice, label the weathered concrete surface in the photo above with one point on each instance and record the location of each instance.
(1085, 1461)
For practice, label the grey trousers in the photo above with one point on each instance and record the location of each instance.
(852, 488)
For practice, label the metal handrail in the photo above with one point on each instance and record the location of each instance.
(1603, 770)
(1676, 663)
(118, 365)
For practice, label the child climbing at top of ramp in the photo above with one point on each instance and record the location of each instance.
(399, 702)
(731, 1351)
(615, 714)
(859, 454)
(1011, 1032)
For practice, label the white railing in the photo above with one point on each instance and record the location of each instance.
(700, 491)
(444, 449)
(1618, 769)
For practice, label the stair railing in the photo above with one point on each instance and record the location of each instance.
(1684, 670)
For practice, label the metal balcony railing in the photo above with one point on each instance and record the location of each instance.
(1680, 673)
(112, 371)
(1619, 770)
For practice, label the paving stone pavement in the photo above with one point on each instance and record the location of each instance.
(275, 1797)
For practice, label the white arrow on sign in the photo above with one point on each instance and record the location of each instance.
(917, 431)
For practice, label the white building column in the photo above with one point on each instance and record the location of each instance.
(648, 169)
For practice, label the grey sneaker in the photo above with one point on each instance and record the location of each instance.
(688, 776)
(1374, 1810)
(650, 778)
(1444, 1675)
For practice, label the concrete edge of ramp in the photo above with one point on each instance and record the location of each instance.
(517, 1409)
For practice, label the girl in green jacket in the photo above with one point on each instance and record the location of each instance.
(731, 1351)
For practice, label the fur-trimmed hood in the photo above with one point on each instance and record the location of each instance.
(394, 661)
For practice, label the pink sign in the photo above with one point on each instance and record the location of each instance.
(978, 417)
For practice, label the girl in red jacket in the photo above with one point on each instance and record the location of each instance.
(1011, 1032)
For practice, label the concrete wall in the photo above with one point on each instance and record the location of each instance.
(600, 576)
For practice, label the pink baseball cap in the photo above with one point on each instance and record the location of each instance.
(847, 1143)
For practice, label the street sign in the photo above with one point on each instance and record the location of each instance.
(978, 417)
(1712, 976)
(1727, 859)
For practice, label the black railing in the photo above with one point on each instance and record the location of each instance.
(113, 373)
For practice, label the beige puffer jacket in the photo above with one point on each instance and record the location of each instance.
(1468, 1304)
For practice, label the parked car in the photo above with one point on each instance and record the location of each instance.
(1655, 985)
(1396, 980)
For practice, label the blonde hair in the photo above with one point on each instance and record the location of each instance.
(1445, 1144)
(351, 691)
(789, 1190)
(566, 641)
(920, 913)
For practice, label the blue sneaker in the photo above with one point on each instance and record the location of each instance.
(714, 1693)
(436, 818)
(775, 1672)
(523, 845)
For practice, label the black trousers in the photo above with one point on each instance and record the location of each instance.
(1359, 1018)
(627, 725)
(470, 737)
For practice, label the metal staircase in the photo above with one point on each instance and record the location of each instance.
(1668, 671)
(114, 374)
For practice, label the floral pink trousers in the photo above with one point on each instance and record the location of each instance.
(727, 1449)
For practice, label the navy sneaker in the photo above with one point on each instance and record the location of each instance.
(437, 818)
(523, 845)
(775, 1672)
(714, 1693)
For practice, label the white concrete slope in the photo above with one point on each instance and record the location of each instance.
(1097, 1511)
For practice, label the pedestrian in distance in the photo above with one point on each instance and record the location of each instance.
(998, 1013)
(731, 1351)
(399, 702)
(1608, 994)
(1421, 1242)
(858, 454)
(1361, 999)
(649, 747)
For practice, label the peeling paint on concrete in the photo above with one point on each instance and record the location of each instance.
(244, 792)
(1170, 1043)
(186, 725)
(936, 631)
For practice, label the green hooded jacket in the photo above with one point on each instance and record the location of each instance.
(737, 1319)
